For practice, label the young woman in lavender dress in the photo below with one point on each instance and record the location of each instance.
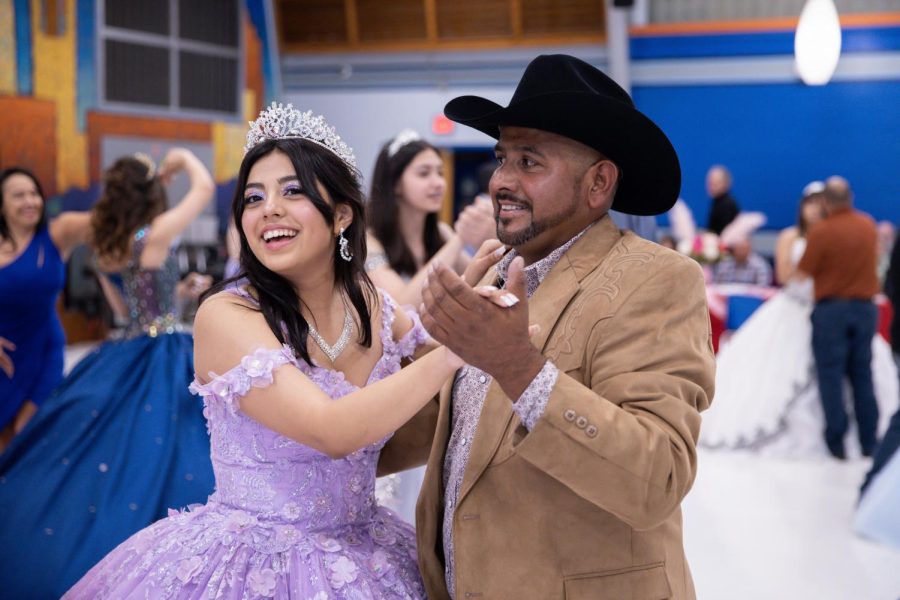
(299, 367)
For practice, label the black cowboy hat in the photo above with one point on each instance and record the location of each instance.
(564, 95)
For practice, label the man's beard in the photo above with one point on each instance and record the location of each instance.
(536, 228)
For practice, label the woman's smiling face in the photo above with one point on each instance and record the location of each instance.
(283, 227)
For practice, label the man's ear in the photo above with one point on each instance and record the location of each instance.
(603, 176)
(343, 217)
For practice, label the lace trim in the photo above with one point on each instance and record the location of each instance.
(255, 370)
(412, 339)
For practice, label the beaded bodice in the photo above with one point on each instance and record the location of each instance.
(150, 293)
(273, 480)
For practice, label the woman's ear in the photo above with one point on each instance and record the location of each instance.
(343, 217)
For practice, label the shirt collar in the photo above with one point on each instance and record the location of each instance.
(536, 272)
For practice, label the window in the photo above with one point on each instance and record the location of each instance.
(179, 58)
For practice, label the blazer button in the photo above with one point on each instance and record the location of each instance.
(569, 415)
(581, 422)
(591, 431)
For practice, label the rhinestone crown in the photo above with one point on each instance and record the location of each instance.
(403, 138)
(279, 122)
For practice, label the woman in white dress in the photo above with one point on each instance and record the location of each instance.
(767, 398)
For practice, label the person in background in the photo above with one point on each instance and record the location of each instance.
(33, 252)
(876, 513)
(724, 207)
(405, 235)
(841, 258)
(767, 396)
(791, 241)
(475, 222)
(743, 266)
(886, 236)
(121, 440)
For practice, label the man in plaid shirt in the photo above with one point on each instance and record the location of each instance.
(743, 266)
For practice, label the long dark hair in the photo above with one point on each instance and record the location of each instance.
(6, 174)
(278, 299)
(802, 225)
(384, 209)
(132, 197)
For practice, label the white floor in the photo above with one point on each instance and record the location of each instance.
(762, 528)
(768, 528)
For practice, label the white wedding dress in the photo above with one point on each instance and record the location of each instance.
(767, 396)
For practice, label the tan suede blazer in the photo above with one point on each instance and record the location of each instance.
(586, 505)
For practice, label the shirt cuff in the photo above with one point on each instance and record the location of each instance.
(531, 404)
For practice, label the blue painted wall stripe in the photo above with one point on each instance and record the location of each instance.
(24, 59)
(768, 43)
(86, 74)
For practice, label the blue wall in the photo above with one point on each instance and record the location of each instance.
(776, 136)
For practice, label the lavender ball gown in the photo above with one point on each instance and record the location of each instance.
(285, 521)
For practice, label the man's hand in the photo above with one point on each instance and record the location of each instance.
(492, 338)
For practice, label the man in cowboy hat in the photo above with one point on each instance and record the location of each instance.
(559, 464)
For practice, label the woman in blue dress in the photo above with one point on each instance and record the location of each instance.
(121, 440)
(32, 272)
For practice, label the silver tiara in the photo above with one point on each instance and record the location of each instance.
(280, 122)
(403, 138)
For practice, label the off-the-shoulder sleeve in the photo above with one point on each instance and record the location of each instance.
(412, 339)
(255, 370)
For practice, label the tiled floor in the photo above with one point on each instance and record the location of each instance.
(759, 528)
(766, 528)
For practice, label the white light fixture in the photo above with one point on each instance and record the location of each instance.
(817, 43)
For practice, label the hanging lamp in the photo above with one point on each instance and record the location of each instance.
(817, 43)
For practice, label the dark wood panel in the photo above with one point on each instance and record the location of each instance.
(549, 17)
(473, 19)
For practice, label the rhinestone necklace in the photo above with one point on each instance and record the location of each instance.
(332, 352)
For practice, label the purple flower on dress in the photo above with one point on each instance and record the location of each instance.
(286, 535)
(352, 539)
(291, 511)
(262, 582)
(379, 563)
(259, 365)
(343, 571)
(382, 535)
(220, 387)
(188, 568)
(326, 543)
(238, 520)
(319, 596)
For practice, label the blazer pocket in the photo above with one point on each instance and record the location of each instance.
(639, 583)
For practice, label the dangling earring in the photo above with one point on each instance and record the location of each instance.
(344, 244)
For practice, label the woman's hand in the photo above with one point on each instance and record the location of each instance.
(487, 256)
(193, 285)
(6, 363)
(174, 161)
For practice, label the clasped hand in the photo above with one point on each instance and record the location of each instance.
(486, 327)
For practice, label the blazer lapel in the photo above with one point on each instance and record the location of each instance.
(544, 308)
